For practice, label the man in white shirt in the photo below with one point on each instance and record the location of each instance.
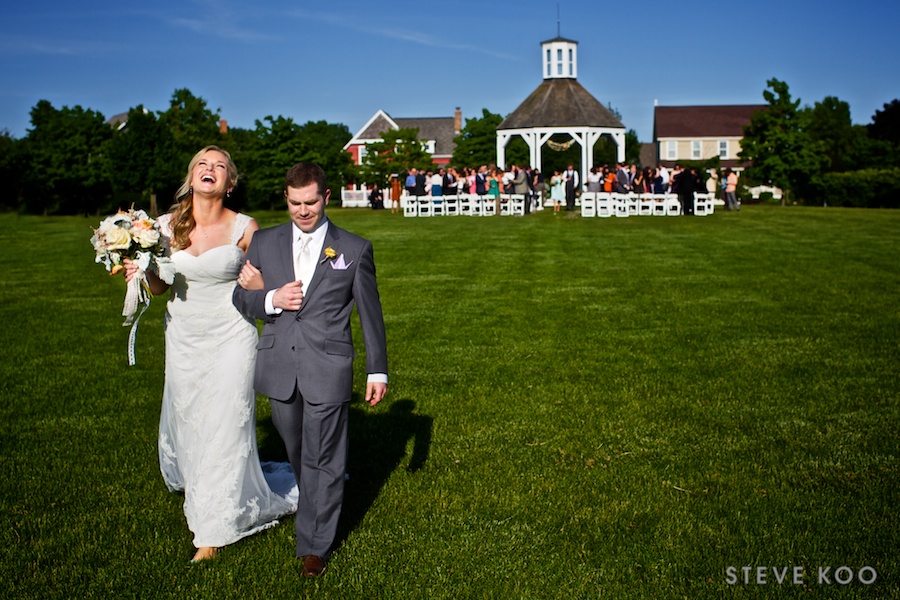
(570, 178)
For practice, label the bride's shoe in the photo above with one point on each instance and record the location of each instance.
(205, 553)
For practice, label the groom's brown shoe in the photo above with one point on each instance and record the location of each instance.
(312, 566)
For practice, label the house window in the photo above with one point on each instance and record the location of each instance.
(549, 63)
(559, 61)
(362, 154)
(571, 63)
(671, 150)
(723, 148)
(695, 150)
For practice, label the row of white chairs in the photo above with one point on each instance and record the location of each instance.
(605, 204)
(472, 205)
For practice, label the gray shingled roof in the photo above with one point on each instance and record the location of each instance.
(375, 129)
(560, 103)
(703, 121)
(439, 129)
(559, 39)
(117, 121)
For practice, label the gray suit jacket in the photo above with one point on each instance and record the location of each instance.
(520, 183)
(622, 184)
(312, 349)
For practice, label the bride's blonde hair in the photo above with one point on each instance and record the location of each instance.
(183, 209)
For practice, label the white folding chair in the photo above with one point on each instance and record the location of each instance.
(410, 206)
(700, 204)
(620, 204)
(673, 206)
(488, 206)
(505, 205)
(517, 204)
(451, 206)
(645, 205)
(465, 204)
(604, 205)
(659, 205)
(631, 200)
(588, 204)
(477, 206)
(425, 206)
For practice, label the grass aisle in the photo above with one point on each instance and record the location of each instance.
(579, 408)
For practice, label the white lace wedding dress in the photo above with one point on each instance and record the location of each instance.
(207, 429)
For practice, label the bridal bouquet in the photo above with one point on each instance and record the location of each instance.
(133, 235)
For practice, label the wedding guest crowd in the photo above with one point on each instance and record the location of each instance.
(481, 181)
(565, 186)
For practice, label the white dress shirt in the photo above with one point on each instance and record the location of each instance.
(317, 240)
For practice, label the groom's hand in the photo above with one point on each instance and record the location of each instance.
(289, 296)
(375, 392)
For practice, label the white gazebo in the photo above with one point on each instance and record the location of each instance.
(560, 105)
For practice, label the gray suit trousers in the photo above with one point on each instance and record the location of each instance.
(315, 436)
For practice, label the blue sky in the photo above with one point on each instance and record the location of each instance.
(341, 61)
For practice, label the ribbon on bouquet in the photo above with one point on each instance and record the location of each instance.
(137, 295)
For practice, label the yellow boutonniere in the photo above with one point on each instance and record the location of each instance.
(329, 253)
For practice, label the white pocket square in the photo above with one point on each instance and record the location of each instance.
(338, 264)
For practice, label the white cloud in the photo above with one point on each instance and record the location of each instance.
(220, 27)
(410, 36)
(33, 45)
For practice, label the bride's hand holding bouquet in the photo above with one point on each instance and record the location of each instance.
(131, 241)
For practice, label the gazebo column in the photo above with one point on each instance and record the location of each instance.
(531, 138)
(502, 141)
(619, 138)
(587, 151)
(592, 137)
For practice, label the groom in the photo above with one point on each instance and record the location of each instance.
(314, 273)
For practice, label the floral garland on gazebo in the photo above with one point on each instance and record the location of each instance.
(559, 147)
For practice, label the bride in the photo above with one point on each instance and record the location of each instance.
(207, 429)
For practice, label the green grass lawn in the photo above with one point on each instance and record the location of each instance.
(578, 408)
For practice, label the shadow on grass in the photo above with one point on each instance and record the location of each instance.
(378, 444)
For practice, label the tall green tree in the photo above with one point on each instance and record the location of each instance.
(277, 144)
(64, 150)
(632, 144)
(324, 143)
(829, 123)
(606, 152)
(885, 123)
(132, 155)
(12, 168)
(517, 152)
(240, 142)
(633, 148)
(476, 143)
(399, 150)
(884, 137)
(187, 126)
(778, 144)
